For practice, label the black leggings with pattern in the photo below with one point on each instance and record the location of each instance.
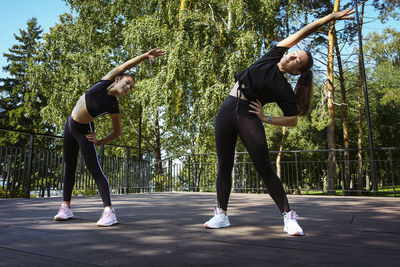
(75, 139)
(234, 119)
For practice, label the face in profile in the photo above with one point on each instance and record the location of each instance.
(294, 61)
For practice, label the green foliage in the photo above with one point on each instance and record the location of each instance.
(387, 8)
(18, 194)
(84, 192)
(383, 55)
(207, 42)
(21, 103)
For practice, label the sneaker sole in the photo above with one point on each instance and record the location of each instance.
(59, 219)
(209, 227)
(296, 234)
(107, 225)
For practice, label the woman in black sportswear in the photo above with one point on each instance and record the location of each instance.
(241, 114)
(79, 133)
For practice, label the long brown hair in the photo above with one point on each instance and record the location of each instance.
(304, 86)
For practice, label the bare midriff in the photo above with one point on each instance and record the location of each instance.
(80, 113)
(234, 92)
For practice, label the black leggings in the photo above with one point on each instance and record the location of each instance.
(234, 119)
(74, 138)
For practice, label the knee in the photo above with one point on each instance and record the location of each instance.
(97, 174)
(95, 170)
(264, 168)
(225, 171)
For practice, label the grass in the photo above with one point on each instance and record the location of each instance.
(383, 191)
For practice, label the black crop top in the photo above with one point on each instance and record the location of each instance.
(99, 102)
(264, 81)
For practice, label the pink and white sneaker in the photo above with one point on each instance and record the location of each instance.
(108, 218)
(219, 220)
(291, 225)
(64, 213)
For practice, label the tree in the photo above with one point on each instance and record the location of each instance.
(387, 8)
(21, 102)
(383, 54)
(360, 179)
(207, 43)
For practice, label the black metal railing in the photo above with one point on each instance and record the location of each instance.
(301, 172)
(37, 168)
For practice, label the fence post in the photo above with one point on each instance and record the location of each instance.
(148, 176)
(189, 173)
(391, 172)
(297, 175)
(29, 172)
(170, 173)
(128, 152)
(341, 171)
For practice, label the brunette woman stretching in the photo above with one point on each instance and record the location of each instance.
(79, 133)
(241, 114)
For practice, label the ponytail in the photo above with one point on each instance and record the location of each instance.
(303, 91)
(304, 86)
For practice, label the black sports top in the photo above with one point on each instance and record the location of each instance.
(99, 102)
(264, 81)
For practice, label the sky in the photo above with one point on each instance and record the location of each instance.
(15, 14)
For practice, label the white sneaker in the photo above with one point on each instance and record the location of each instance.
(219, 220)
(108, 218)
(64, 213)
(291, 225)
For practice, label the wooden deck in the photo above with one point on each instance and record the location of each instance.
(166, 229)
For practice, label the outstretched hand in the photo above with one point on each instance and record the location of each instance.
(153, 53)
(344, 14)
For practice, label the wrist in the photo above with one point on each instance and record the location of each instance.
(268, 119)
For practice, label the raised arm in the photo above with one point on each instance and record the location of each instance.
(293, 39)
(152, 54)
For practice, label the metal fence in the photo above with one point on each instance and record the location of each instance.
(301, 172)
(38, 170)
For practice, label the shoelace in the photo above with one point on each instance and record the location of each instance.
(291, 215)
(106, 214)
(63, 208)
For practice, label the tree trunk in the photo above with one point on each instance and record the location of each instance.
(360, 180)
(156, 147)
(157, 144)
(182, 5)
(281, 148)
(359, 139)
(284, 130)
(236, 172)
(331, 127)
(244, 179)
(344, 119)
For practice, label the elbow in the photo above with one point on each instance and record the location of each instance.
(293, 121)
(117, 133)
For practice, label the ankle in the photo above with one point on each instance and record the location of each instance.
(68, 203)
